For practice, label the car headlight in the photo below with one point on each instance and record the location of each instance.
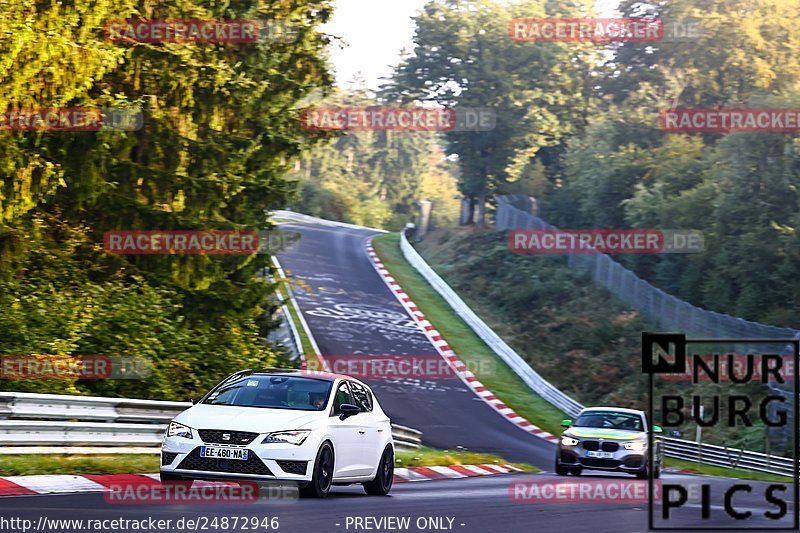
(297, 437)
(179, 430)
(636, 446)
(569, 441)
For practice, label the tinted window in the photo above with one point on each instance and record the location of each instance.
(610, 420)
(270, 391)
(361, 396)
(342, 396)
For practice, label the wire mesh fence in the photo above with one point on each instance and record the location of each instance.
(656, 306)
(669, 313)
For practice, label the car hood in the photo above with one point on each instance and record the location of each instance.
(256, 419)
(604, 433)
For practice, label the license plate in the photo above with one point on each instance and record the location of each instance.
(239, 454)
(600, 455)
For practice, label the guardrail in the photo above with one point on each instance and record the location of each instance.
(520, 367)
(97, 423)
(725, 457)
(25, 405)
(667, 311)
(292, 216)
(405, 438)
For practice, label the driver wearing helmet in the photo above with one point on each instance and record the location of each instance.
(316, 399)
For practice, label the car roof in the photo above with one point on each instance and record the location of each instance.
(617, 409)
(296, 372)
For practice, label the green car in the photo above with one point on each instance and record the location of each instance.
(612, 439)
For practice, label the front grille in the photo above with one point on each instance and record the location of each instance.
(599, 463)
(217, 436)
(591, 445)
(293, 467)
(610, 446)
(168, 457)
(253, 465)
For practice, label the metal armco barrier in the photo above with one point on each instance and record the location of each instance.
(30, 420)
(725, 457)
(668, 312)
(405, 438)
(537, 383)
(24, 405)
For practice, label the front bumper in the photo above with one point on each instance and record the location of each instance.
(621, 460)
(286, 462)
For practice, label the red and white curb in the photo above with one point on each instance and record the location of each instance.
(66, 484)
(445, 351)
(431, 473)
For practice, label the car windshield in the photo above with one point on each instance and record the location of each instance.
(274, 392)
(610, 420)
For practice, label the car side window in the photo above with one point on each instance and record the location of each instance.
(362, 396)
(342, 396)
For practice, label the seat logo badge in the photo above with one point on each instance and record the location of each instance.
(226, 436)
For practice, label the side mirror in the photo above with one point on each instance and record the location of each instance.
(347, 410)
(193, 401)
(566, 423)
(657, 429)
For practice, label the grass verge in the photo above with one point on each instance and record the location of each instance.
(724, 472)
(481, 360)
(432, 457)
(39, 464)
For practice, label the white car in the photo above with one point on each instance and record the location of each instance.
(613, 439)
(316, 429)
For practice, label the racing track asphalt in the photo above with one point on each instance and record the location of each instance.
(475, 505)
(351, 312)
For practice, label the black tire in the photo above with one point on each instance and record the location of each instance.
(577, 470)
(643, 472)
(321, 479)
(561, 470)
(382, 484)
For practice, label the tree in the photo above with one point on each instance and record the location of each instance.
(464, 58)
(220, 130)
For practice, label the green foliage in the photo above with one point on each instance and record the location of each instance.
(45, 464)
(56, 309)
(740, 189)
(220, 130)
(371, 178)
(465, 59)
(567, 329)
